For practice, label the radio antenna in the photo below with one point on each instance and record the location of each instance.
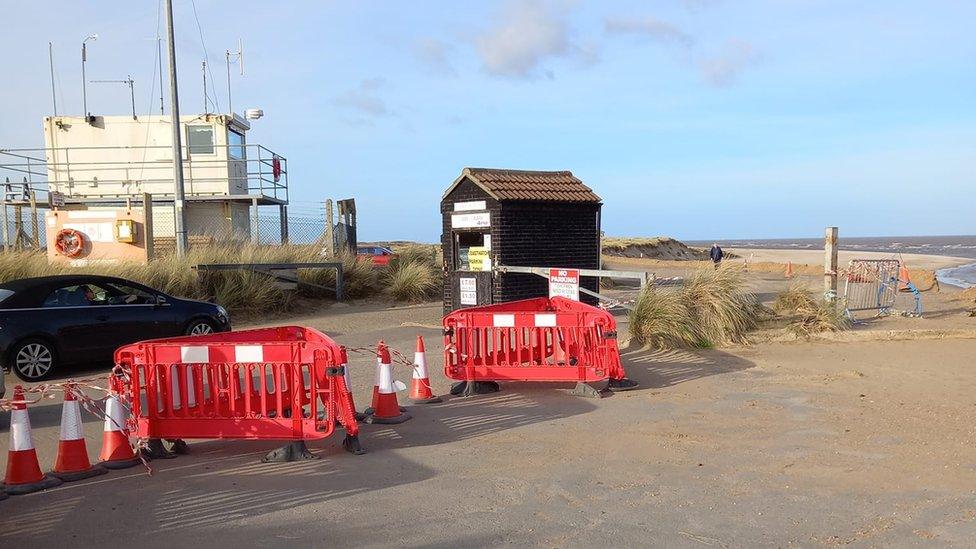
(239, 58)
(132, 90)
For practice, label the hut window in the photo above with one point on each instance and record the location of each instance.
(463, 244)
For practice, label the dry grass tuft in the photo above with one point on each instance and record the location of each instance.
(791, 299)
(243, 291)
(410, 281)
(818, 316)
(807, 315)
(711, 307)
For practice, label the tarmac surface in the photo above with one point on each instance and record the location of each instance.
(780, 444)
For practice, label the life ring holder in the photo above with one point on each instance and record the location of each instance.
(69, 242)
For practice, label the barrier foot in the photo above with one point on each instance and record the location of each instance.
(622, 384)
(179, 447)
(388, 420)
(120, 463)
(31, 487)
(93, 471)
(586, 390)
(431, 400)
(156, 450)
(351, 444)
(469, 388)
(293, 451)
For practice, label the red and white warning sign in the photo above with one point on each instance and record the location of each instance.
(564, 283)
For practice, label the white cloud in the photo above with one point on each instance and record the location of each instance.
(363, 99)
(525, 35)
(433, 53)
(723, 69)
(649, 27)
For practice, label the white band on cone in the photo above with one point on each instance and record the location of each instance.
(20, 431)
(384, 378)
(71, 428)
(420, 365)
(114, 415)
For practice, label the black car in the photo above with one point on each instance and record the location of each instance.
(52, 321)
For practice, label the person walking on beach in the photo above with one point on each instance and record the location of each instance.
(716, 254)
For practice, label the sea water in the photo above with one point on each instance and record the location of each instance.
(954, 246)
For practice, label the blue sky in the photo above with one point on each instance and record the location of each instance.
(699, 119)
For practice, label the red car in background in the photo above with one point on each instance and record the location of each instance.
(377, 254)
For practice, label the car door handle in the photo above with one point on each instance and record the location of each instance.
(102, 318)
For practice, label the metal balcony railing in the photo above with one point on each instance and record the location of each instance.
(123, 172)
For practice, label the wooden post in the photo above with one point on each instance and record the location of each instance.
(147, 226)
(329, 229)
(6, 231)
(34, 224)
(18, 227)
(830, 263)
(283, 223)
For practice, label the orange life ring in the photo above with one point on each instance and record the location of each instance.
(69, 242)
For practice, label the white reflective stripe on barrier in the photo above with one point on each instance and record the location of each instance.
(248, 353)
(194, 355)
(71, 421)
(345, 374)
(20, 431)
(545, 321)
(114, 418)
(420, 363)
(504, 321)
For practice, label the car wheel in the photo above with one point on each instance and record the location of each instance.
(200, 327)
(33, 360)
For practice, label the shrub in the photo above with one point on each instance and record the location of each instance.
(710, 307)
(410, 281)
(807, 315)
(791, 299)
(813, 317)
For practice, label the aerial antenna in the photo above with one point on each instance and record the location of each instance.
(205, 102)
(159, 53)
(239, 57)
(50, 57)
(132, 89)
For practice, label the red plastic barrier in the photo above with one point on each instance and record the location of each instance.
(539, 339)
(270, 383)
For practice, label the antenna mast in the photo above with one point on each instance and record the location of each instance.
(132, 89)
(50, 56)
(205, 102)
(239, 57)
(159, 53)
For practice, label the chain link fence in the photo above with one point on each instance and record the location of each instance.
(25, 233)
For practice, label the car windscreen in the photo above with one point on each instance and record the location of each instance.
(4, 294)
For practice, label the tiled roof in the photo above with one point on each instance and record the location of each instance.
(529, 185)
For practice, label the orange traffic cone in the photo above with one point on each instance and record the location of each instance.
(24, 474)
(385, 408)
(420, 392)
(72, 462)
(789, 269)
(116, 451)
(903, 277)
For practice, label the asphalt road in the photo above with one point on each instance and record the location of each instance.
(717, 448)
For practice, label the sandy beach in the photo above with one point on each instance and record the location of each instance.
(816, 257)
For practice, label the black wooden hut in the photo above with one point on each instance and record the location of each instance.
(517, 218)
